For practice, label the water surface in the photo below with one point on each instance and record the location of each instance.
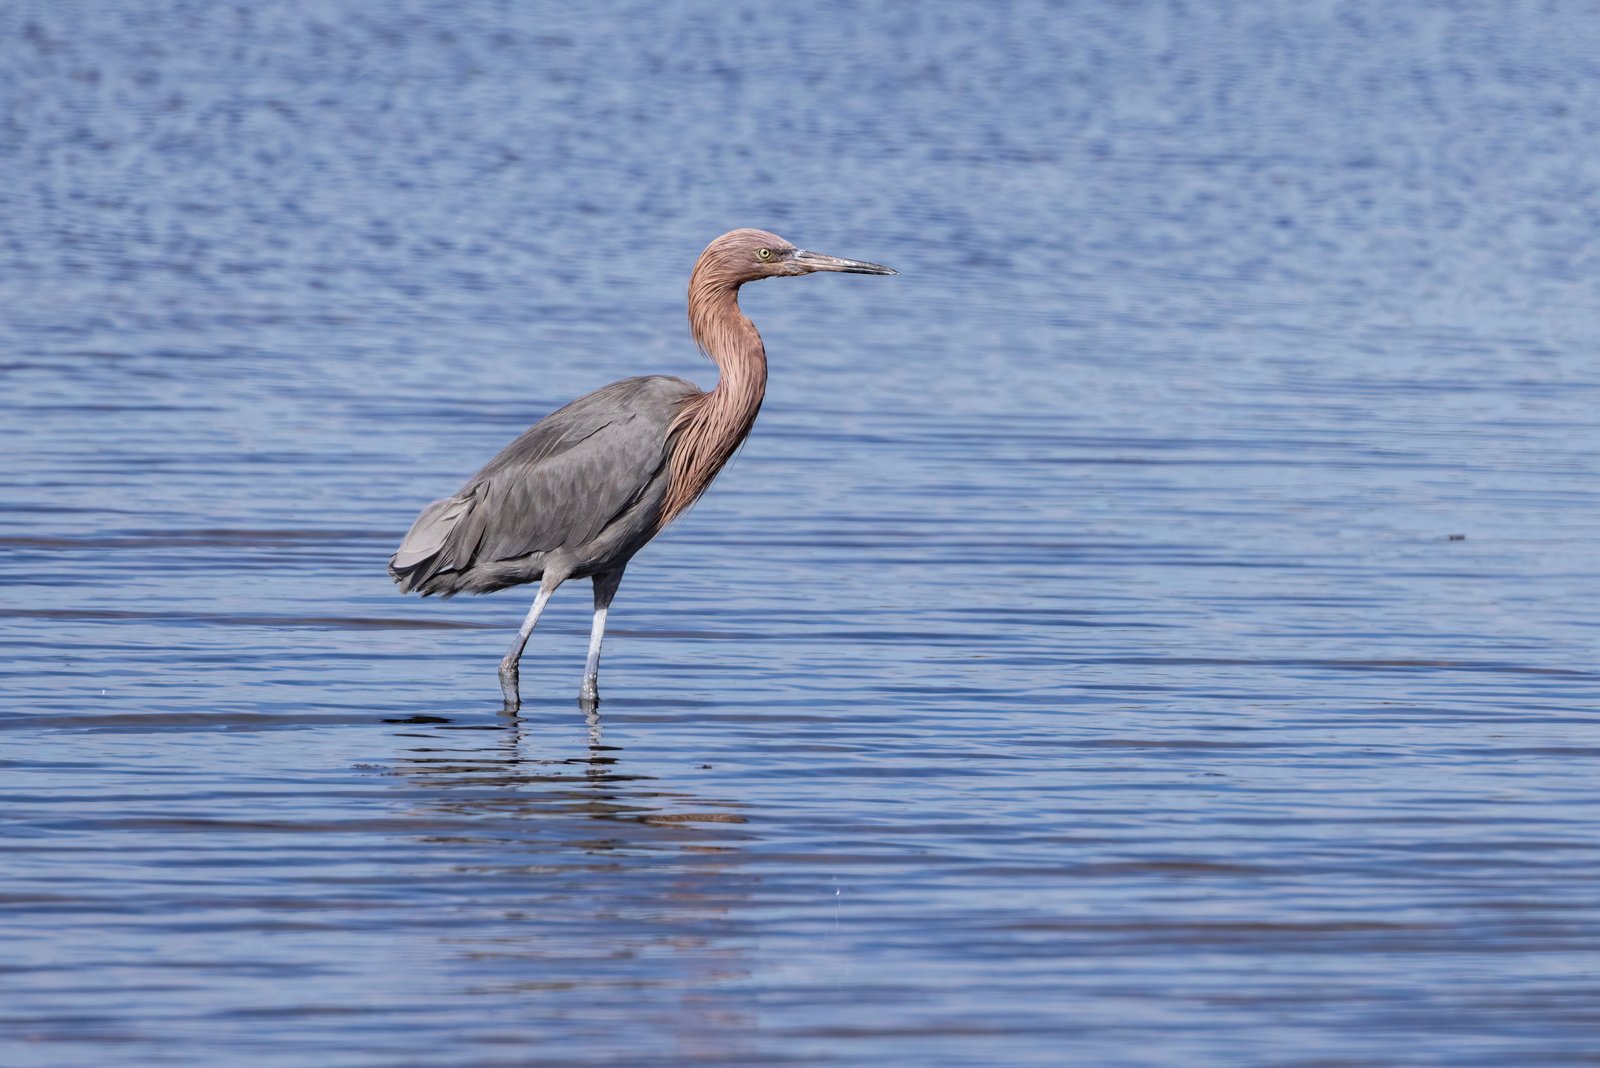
(1158, 628)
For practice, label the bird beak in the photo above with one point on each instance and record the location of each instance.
(816, 261)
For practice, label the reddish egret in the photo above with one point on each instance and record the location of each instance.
(589, 485)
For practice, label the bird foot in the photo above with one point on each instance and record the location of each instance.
(589, 692)
(509, 688)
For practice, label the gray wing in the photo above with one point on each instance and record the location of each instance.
(557, 486)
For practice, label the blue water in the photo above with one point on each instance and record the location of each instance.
(1158, 628)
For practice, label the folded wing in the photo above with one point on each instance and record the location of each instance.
(558, 486)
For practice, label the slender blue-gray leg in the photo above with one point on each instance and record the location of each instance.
(508, 666)
(605, 588)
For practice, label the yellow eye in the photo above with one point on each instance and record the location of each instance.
(763, 254)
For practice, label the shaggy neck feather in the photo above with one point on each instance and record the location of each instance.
(711, 426)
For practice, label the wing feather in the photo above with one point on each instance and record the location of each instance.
(555, 487)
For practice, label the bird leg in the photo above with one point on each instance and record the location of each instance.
(508, 666)
(605, 588)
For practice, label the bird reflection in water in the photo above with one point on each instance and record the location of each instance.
(574, 881)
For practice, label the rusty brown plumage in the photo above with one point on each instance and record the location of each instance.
(711, 426)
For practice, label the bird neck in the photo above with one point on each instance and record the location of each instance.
(711, 426)
(724, 333)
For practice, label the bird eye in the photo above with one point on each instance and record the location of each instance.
(763, 254)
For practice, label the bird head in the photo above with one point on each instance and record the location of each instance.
(740, 256)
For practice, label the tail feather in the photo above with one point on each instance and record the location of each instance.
(417, 559)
